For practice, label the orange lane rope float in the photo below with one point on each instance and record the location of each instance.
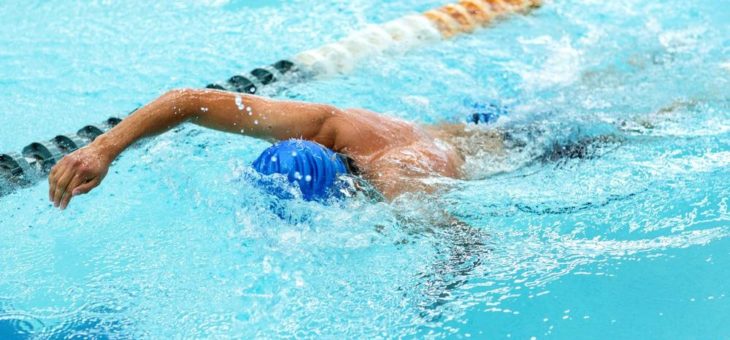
(407, 32)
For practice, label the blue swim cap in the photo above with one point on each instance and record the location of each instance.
(312, 167)
(486, 113)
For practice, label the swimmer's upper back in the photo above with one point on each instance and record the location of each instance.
(394, 155)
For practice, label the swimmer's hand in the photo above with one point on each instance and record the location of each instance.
(77, 174)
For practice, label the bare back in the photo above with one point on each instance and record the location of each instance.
(394, 155)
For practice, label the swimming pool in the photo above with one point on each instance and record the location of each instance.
(630, 243)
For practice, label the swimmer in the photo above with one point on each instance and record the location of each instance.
(314, 143)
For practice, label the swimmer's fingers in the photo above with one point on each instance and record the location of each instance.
(66, 197)
(86, 187)
(78, 172)
(52, 177)
(60, 183)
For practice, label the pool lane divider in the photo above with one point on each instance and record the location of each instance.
(33, 163)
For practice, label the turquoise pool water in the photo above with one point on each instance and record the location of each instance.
(631, 242)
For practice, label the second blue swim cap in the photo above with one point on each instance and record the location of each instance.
(486, 113)
(312, 167)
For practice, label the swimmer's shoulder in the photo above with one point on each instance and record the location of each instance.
(365, 132)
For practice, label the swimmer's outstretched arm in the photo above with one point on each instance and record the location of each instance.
(81, 171)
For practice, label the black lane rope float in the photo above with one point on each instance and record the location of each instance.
(32, 164)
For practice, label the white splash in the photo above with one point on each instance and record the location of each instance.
(726, 65)
(562, 67)
(685, 40)
(420, 102)
(688, 164)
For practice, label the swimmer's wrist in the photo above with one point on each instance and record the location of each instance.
(106, 148)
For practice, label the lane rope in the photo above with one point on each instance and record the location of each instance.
(32, 164)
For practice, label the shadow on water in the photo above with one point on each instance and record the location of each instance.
(15, 327)
(460, 254)
(19, 326)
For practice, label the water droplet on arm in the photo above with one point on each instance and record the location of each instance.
(239, 103)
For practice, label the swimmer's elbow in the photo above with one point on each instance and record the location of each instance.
(183, 94)
(184, 101)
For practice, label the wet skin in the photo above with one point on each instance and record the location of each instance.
(392, 154)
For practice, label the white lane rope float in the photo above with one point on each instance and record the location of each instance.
(23, 169)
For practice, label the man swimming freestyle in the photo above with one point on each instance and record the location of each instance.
(317, 143)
